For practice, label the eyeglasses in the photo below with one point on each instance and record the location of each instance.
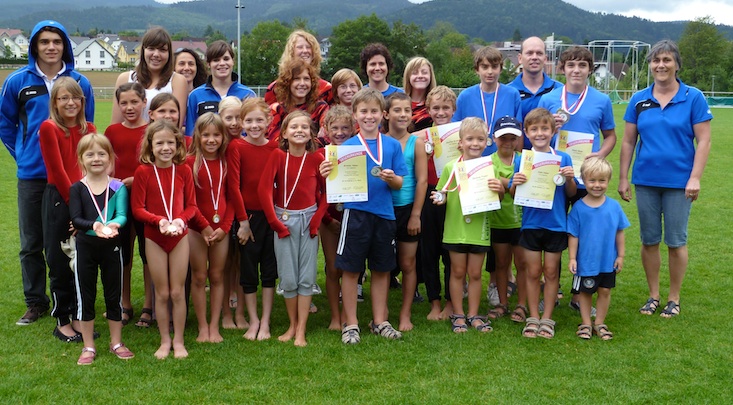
(65, 99)
(351, 86)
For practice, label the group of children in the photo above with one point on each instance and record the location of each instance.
(266, 188)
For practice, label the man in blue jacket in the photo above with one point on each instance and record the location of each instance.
(24, 105)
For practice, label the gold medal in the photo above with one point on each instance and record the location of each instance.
(285, 216)
(216, 218)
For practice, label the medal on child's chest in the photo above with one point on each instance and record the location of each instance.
(216, 218)
(103, 212)
(377, 169)
(565, 112)
(167, 206)
(286, 198)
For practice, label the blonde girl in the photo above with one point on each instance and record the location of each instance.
(419, 80)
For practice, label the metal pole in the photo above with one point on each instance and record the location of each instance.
(239, 40)
(713, 89)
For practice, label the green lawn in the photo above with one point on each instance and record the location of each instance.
(650, 360)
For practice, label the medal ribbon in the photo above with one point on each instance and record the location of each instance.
(94, 200)
(211, 183)
(167, 207)
(450, 179)
(380, 152)
(573, 109)
(286, 200)
(493, 108)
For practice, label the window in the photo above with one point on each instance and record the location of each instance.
(101, 54)
(88, 54)
(89, 62)
(101, 62)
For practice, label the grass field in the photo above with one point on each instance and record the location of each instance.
(651, 360)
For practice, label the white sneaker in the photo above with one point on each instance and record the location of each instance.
(317, 289)
(278, 290)
(492, 293)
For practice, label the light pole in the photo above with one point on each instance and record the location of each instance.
(713, 89)
(239, 40)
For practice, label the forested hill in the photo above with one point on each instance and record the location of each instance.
(490, 20)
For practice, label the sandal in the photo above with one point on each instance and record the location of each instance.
(519, 314)
(547, 329)
(386, 330)
(484, 326)
(130, 314)
(672, 309)
(584, 331)
(498, 311)
(350, 335)
(531, 328)
(458, 327)
(511, 288)
(87, 360)
(650, 307)
(602, 332)
(121, 351)
(145, 322)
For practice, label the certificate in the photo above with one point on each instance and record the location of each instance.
(578, 145)
(539, 190)
(444, 141)
(347, 181)
(473, 181)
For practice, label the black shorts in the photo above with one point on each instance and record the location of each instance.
(510, 236)
(591, 284)
(465, 248)
(365, 236)
(257, 259)
(402, 215)
(543, 240)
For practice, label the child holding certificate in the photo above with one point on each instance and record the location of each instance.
(467, 239)
(368, 228)
(595, 246)
(543, 230)
(441, 104)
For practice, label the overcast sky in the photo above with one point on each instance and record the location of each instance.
(672, 10)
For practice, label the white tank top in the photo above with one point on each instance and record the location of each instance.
(150, 93)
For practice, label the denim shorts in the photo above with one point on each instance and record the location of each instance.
(655, 203)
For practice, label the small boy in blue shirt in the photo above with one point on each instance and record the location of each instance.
(368, 228)
(595, 246)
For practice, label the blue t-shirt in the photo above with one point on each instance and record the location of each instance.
(390, 89)
(205, 99)
(665, 149)
(594, 116)
(469, 104)
(406, 195)
(596, 230)
(380, 195)
(531, 100)
(554, 219)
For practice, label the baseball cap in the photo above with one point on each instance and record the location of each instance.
(507, 125)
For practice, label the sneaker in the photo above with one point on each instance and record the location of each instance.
(465, 290)
(359, 293)
(492, 293)
(278, 290)
(418, 298)
(31, 315)
(576, 307)
(317, 289)
(541, 307)
(350, 335)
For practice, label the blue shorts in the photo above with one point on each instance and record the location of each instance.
(365, 236)
(655, 203)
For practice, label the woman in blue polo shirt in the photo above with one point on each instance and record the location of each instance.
(663, 123)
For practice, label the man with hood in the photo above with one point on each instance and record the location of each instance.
(24, 105)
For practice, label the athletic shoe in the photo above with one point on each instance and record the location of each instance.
(359, 293)
(278, 290)
(418, 298)
(575, 306)
(492, 293)
(316, 289)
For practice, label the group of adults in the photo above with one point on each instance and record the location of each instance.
(666, 121)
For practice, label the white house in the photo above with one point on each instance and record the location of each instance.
(93, 54)
(325, 45)
(15, 40)
(8, 44)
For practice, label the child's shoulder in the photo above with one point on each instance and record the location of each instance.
(115, 185)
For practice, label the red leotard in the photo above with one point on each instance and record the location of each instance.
(203, 194)
(126, 144)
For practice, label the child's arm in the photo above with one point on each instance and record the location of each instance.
(518, 179)
(618, 264)
(265, 189)
(51, 152)
(573, 254)
(571, 187)
(421, 187)
(139, 197)
(119, 214)
(320, 198)
(393, 181)
(191, 211)
(76, 212)
(444, 176)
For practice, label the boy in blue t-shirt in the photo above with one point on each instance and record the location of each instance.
(368, 228)
(544, 231)
(595, 246)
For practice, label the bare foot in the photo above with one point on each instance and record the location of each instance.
(163, 351)
(313, 309)
(288, 335)
(335, 325)
(203, 336)
(264, 332)
(179, 351)
(447, 311)
(434, 314)
(241, 322)
(405, 325)
(300, 342)
(227, 322)
(251, 334)
(215, 336)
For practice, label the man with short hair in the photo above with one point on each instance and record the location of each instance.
(24, 105)
(532, 83)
